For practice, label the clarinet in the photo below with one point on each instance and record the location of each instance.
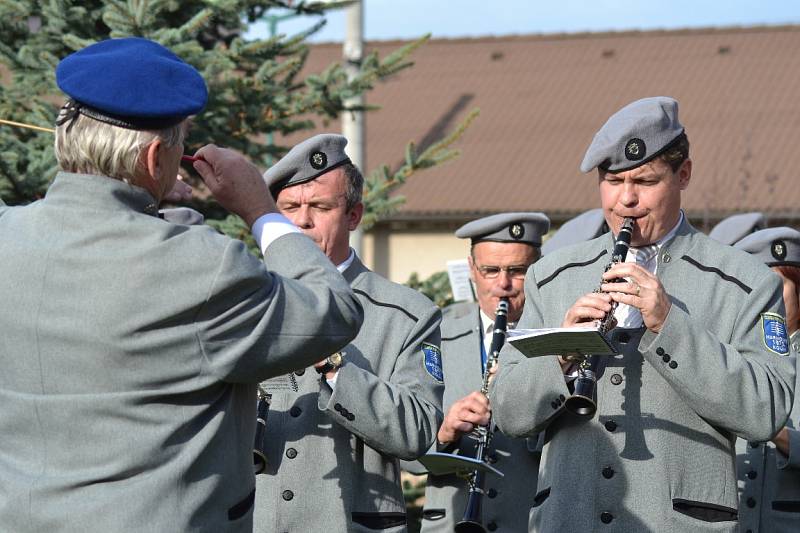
(472, 521)
(583, 400)
(259, 446)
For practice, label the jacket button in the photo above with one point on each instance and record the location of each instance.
(554, 405)
(752, 474)
(606, 518)
(491, 493)
(291, 453)
(300, 372)
(751, 502)
(350, 417)
(611, 425)
(295, 411)
(666, 257)
(673, 364)
(491, 526)
(287, 495)
(660, 350)
(337, 407)
(665, 358)
(608, 472)
(616, 379)
(561, 397)
(624, 338)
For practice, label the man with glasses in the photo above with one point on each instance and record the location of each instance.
(503, 247)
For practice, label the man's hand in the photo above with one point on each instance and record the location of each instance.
(588, 308)
(181, 192)
(781, 441)
(644, 291)
(468, 412)
(235, 182)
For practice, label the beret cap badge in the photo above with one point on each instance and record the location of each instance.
(779, 250)
(635, 149)
(318, 160)
(517, 231)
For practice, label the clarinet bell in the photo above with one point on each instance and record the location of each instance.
(471, 522)
(583, 401)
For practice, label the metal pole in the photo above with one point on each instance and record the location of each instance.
(353, 122)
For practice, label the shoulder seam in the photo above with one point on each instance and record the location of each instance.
(718, 272)
(384, 304)
(552, 276)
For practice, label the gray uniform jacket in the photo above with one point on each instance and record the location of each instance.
(659, 454)
(130, 350)
(333, 454)
(769, 482)
(507, 499)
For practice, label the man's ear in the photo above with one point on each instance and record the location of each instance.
(471, 267)
(685, 174)
(151, 159)
(354, 216)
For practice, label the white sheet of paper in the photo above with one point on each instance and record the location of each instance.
(458, 273)
(560, 341)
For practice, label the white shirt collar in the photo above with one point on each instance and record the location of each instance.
(341, 267)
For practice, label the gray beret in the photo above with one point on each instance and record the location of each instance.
(507, 227)
(773, 246)
(306, 161)
(634, 135)
(584, 227)
(736, 227)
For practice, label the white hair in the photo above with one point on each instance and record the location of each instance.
(88, 146)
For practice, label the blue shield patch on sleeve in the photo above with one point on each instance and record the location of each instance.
(433, 361)
(775, 337)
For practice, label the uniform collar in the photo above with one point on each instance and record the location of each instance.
(354, 268)
(99, 193)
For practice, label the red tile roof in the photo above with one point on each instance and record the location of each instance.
(542, 98)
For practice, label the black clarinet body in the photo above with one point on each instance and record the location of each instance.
(583, 401)
(472, 521)
(260, 445)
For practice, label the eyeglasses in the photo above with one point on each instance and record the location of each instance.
(492, 271)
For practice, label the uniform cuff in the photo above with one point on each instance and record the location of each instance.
(267, 228)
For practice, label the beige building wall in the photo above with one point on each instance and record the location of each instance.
(397, 250)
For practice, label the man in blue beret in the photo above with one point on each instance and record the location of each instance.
(503, 247)
(769, 472)
(702, 354)
(131, 347)
(333, 464)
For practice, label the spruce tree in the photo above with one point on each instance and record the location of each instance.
(255, 87)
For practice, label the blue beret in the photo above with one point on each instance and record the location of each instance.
(736, 227)
(634, 135)
(133, 83)
(507, 227)
(773, 246)
(306, 161)
(584, 227)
